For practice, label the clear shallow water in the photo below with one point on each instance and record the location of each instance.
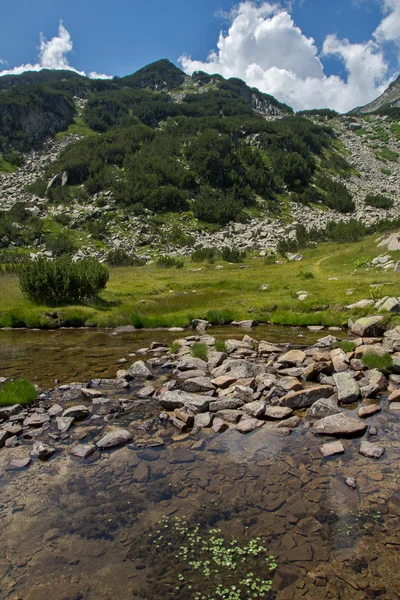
(79, 354)
(73, 530)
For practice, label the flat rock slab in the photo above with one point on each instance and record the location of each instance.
(55, 410)
(395, 406)
(292, 358)
(226, 403)
(197, 384)
(371, 450)
(114, 438)
(307, 397)
(224, 381)
(277, 412)
(203, 420)
(368, 411)
(248, 425)
(324, 408)
(64, 423)
(332, 448)
(36, 420)
(8, 411)
(229, 415)
(77, 412)
(82, 450)
(90, 394)
(340, 424)
(178, 398)
(239, 369)
(347, 387)
(180, 455)
(20, 463)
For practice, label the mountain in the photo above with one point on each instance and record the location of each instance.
(389, 100)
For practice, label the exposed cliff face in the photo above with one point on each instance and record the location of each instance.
(25, 125)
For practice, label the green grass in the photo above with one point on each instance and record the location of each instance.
(152, 297)
(386, 154)
(372, 360)
(78, 127)
(200, 351)
(220, 346)
(6, 167)
(20, 391)
(345, 345)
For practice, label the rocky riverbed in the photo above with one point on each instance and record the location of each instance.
(295, 443)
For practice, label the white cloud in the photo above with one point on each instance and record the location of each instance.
(2, 61)
(52, 55)
(264, 47)
(389, 28)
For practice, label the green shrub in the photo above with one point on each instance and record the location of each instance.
(346, 345)
(38, 187)
(200, 351)
(372, 360)
(169, 262)
(361, 262)
(204, 254)
(232, 255)
(379, 201)
(220, 346)
(337, 196)
(20, 391)
(306, 275)
(386, 171)
(60, 244)
(119, 258)
(61, 280)
(386, 154)
(215, 207)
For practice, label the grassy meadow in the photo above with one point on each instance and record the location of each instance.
(151, 296)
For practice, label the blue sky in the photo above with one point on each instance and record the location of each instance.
(356, 47)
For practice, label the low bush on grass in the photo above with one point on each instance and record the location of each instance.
(119, 258)
(232, 255)
(60, 244)
(372, 360)
(361, 262)
(169, 262)
(220, 346)
(204, 255)
(200, 351)
(379, 201)
(306, 275)
(62, 281)
(20, 391)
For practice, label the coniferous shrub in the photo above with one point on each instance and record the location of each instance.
(168, 262)
(62, 281)
(233, 255)
(379, 201)
(338, 196)
(120, 258)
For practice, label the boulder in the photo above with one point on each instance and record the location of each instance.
(307, 397)
(36, 420)
(191, 364)
(254, 409)
(340, 424)
(229, 415)
(390, 305)
(178, 398)
(369, 326)
(292, 358)
(198, 384)
(219, 426)
(8, 411)
(203, 420)
(114, 438)
(139, 370)
(226, 403)
(347, 387)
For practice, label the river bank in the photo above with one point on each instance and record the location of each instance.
(331, 523)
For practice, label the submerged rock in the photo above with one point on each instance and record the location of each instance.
(114, 438)
(340, 424)
(371, 450)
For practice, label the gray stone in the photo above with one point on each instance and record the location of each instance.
(36, 420)
(146, 392)
(239, 369)
(8, 411)
(77, 412)
(340, 424)
(307, 397)
(178, 398)
(226, 403)
(219, 426)
(139, 370)
(332, 448)
(369, 327)
(324, 408)
(290, 422)
(82, 450)
(114, 438)
(229, 415)
(347, 387)
(248, 425)
(292, 358)
(255, 409)
(368, 411)
(55, 410)
(64, 423)
(199, 384)
(390, 305)
(277, 412)
(203, 420)
(351, 483)
(42, 451)
(371, 450)
(191, 364)
(20, 463)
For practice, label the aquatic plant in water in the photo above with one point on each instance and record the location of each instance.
(213, 568)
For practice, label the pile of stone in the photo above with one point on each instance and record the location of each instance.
(248, 386)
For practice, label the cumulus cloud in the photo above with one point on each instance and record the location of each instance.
(265, 48)
(389, 28)
(52, 55)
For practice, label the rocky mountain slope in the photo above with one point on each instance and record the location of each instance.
(389, 99)
(159, 162)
